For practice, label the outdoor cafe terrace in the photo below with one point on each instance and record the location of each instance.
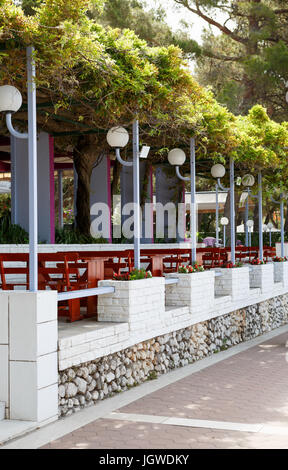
(92, 325)
(80, 322)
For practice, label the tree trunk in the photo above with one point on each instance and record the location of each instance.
(252, 49)
(116, 177)
(86, 153)
(256, 217)
(227, 213)
(286, 221)
(145, 185)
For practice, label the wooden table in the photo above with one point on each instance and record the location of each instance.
(95, 272)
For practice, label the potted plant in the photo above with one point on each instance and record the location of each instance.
(138, 299)
(233, 280)
(261, 275)
(257, 262)
(195, 268)
(195, 288)
(281, 269)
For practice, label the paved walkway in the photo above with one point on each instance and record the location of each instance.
(239, 402)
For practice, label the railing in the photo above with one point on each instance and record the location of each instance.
(171, 280)
(79, 294)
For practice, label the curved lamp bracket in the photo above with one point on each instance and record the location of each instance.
(282, 198)
(252, 196)
(221, 186)
(11, 129)
(123, 162)
(182, 178)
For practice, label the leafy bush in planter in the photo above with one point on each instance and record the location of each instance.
(232, 266)
(195, 268)
(134, 275)
(257, 262)
(278, 259)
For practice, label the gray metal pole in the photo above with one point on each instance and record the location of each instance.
(217, 215)
(224, 236)
(270, 238)
(75, 190)
(60, 195)
(282, 225)
(246, 219)
(136, 194)
(260, 215)
(232, 210)
(32, 152)
(193, 224)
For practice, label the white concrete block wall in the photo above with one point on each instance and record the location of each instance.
(112, 336)
(28, 324)
(193, 290)
(47, 248)
(278, 249)
(281, 272)
(140, 303)
(233, 282)
(262, 276)
(4, 351)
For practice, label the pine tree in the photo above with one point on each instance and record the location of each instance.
(249, 61)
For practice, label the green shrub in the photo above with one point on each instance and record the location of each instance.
(12, 234)
(134, 275)
(70, 236)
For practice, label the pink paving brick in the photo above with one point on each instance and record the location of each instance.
(251, 387)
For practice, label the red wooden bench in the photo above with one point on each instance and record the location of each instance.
(214, 257)
(64, 275)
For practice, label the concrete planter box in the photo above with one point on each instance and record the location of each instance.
(140, 303)
(233, 282)
(262, 276)
(281, 272)
(193, 290)
(28, 355)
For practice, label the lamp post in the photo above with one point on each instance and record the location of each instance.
(224, 222)
(248, 181)
(60, 196)
(270, 227)
(10, 102)
(218, 171)
(281, 203)
(265, 228)
(118, 138)
(250, 225)
(177, 157)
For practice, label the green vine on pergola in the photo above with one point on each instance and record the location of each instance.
(90, 78)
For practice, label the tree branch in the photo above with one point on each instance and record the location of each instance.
(209, 20)
(225, 58)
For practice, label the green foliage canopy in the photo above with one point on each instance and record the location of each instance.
(97, 77)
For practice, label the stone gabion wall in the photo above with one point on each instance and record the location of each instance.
(85, 385)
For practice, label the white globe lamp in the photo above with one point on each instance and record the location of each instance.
(248, 181)
(250, 223)
(176, 157)
(118, 137)
(224, 221)
(10, 99)
(218, 171)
